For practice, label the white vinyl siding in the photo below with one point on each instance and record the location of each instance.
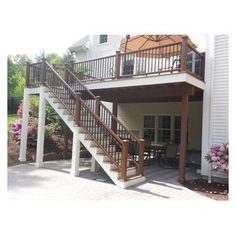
(215, 99)
(219, 97)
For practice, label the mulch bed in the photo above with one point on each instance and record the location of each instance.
(214, 190)
(53, 149)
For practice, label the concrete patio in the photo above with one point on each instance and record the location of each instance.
(54, 182)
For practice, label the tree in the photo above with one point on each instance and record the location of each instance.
(16, 74)
(54, 58)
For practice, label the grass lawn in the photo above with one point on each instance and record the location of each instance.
(11, 118)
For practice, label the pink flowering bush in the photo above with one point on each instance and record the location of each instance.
(218, 157)
(17, 124)
(20, 110)
(16, 129)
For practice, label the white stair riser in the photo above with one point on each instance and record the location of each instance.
(90, 145)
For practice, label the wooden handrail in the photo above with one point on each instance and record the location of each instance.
(104, 107)
(67, 85)
(75, 106)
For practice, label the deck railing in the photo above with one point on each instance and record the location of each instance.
(170, 58)
(165, 59)
(91, 114)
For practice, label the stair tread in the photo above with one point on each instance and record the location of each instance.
(133, 177)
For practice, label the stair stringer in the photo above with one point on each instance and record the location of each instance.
(89, 144)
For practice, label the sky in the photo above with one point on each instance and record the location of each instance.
(33, 27)
(32, 45)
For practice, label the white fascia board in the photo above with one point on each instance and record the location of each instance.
(146, 81)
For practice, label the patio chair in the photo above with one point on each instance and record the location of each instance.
(169, 158)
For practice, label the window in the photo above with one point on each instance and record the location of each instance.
(164, 129)
(168, 128)
(149, 128)
(190, 61)
(103, 38)
(197, 64)
(177, 129)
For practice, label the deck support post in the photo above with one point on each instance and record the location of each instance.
(24, 127)
(41, 129)
(75, 154)
(184, 54)
(183, 139)
(117, 65)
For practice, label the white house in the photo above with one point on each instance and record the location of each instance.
(208, 118)
(169, 92)
(95, 46)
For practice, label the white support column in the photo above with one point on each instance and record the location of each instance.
(41, 129)
(93, 165)
(24, 128)
(75, 154)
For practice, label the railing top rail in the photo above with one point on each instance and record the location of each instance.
(104, 107)
(51, 68)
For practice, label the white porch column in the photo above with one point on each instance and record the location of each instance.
(94, 165)
(75, 154)
(24, 128)
(41, 129)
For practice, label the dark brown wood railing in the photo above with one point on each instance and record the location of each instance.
(87, 114)
(107, 117)
(170, 58)
(33, 74)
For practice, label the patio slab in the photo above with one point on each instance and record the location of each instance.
(54, 182)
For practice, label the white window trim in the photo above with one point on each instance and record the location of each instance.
(104, 42)
(172, 126)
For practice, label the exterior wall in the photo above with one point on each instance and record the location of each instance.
(93, 49)
(132, 114)
(81, 55)
(215, 100)
(97, 50)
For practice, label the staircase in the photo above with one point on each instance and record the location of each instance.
(119, 152)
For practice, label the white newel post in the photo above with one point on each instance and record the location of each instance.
(75, 154)
(24, 128)
(41, 129)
